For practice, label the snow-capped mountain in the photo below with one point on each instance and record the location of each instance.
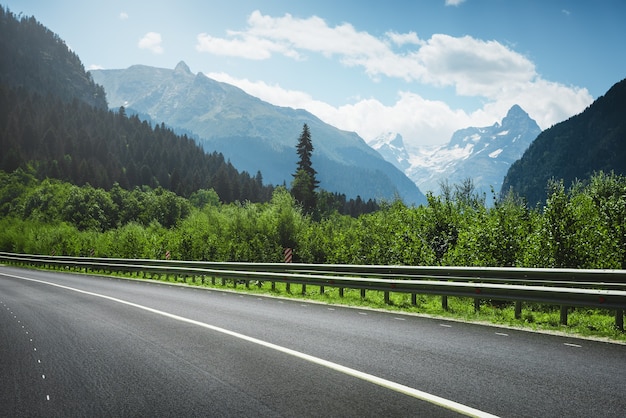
(482, 154)
(391, 146)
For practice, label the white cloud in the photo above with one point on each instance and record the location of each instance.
(95, 67)
(404, 38)
(420, 121)
(152, 42)
(488, 70)
(123, 16)
(473, 66)
(454, 2)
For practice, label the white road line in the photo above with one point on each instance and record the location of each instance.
(397, 387)
(572, 345)
(400, 319)
(445, 325)
(502, 334)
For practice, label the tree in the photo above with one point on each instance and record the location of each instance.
(304, 182)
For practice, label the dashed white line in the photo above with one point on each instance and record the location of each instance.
(362, 313)
(502, 334)
(399, 319)
(572, 345)
(397, 387)
(445, 325)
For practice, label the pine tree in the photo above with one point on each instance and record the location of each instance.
(304, 182)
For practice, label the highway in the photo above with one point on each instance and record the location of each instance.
(75, 345)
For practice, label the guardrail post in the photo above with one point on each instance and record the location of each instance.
(321, 290)
(619, 319)
(304, 289)
(476, 305)
(341, 292)
(444, 302)
(413, 299)
(386, 297)
(362, 293)
(518, 309)
(288, 287)
(273, 286)
(563, 315)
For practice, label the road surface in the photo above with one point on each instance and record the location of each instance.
(73, 345)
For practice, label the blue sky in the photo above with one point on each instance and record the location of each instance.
(421, 68)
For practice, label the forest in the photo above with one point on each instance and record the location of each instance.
(581, 226)
(79, 179)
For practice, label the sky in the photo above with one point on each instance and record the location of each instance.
(421, 68)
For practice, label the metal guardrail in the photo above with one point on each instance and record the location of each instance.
(565, 287)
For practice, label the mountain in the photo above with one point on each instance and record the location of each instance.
(55, 122)
(482, 154)
(591, 141)
(391, 146)
(255, 135)
(36, 59)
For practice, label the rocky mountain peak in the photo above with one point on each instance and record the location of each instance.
(517, 116)
(182, 68)
(480, 153)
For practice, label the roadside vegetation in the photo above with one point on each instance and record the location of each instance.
(583, 226)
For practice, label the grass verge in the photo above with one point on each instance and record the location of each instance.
(582, 322)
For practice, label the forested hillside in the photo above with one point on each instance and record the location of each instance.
(82, 144)
(35, 58)
(594, 140)
(54, 118)
(54, 123)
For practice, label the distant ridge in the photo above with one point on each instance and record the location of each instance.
(482, 154)
(255, 135)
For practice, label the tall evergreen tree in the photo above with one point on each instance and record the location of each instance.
(304, 182)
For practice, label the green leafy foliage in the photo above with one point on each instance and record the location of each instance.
(580, 227)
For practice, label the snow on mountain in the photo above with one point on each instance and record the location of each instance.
(391, 146)
(483, 154)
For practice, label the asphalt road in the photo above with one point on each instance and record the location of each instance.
(73, 345)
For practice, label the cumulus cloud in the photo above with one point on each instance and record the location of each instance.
(485, 69)
(152, 42)
(123, 16)
(454, 2)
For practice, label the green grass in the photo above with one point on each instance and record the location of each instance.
(582, 322)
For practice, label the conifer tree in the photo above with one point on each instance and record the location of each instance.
(304, 182)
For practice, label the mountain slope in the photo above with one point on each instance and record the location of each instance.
(35, 58)
(591, 141)
(482, 154)
(391, 146)
(255, 135)
(54, 120)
